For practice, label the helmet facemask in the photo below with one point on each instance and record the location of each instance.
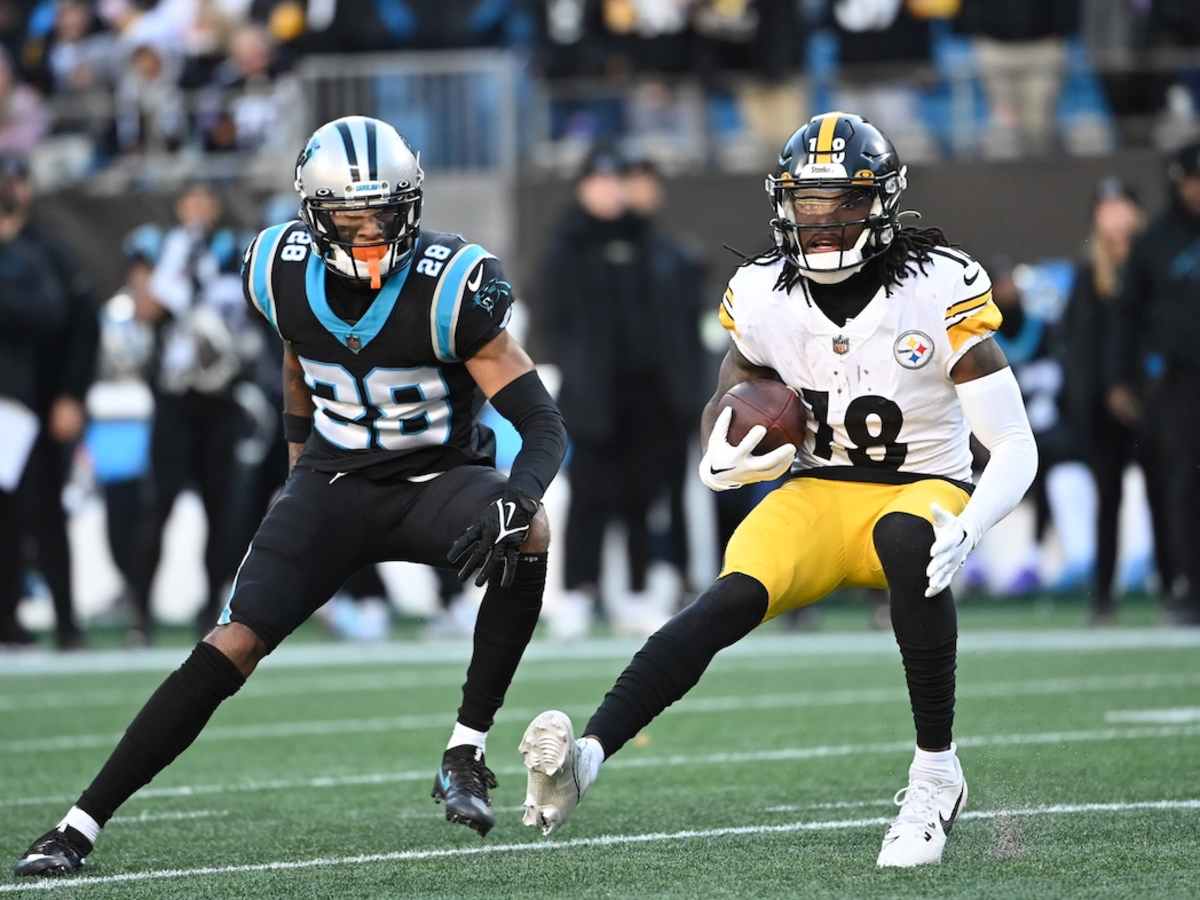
(365, 239)
(830, 227)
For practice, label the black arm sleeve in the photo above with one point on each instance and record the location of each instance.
(528, 405)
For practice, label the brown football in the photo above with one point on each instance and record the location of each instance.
(771, 404)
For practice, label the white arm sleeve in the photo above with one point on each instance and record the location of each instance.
(995, 412)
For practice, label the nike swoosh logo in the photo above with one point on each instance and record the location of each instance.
(506, 517)
(720, 471)
(971, 280)
(947, 824)
(473, 283)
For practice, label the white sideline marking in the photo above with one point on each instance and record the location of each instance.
(609, 840)
(694, 706)
(46, 662)
(1178, 715)
(1102, 735)
(839, 804)
(169, 816)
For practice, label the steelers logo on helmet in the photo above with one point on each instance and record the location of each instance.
(836, 194)
(360, 196)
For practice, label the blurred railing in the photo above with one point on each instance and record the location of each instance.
(481, 113)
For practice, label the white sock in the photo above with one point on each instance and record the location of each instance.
(591, 755)
(464, 735)
(83, 823)
(936, 762)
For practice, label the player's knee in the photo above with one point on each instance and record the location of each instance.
(538, 538)
(242, 646)
(902, 541)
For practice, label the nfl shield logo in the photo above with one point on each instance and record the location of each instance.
(353, 343)
(841, 345)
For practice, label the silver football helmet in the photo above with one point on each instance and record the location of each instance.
(362, 170)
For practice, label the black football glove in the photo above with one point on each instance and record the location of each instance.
(492, 544)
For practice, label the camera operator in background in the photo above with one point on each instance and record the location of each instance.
(198, 422)
(65, 367)
(1156, 380)
(33, 311)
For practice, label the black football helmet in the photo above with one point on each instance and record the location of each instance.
(836, 195)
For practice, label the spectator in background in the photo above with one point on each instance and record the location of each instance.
(1020, 48)
(1155, 339)
(23, 118)
(1111, 445)
(198, 422)
(121, 405)
(678, 285)
(65, 362)
(620, 306)
(150, 114)
(252, 101)
(33, 307)
(77, 57)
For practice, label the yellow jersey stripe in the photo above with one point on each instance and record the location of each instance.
(725, 318)
(970, 303)
(979, 325)
(825, 137)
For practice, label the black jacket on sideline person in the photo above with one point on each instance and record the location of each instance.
(620, 299)
(66, 361)
(33, 307)
(1158, 311)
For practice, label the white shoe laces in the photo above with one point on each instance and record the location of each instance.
(918, 807)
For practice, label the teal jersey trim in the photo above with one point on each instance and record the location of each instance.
(353, 337)
(260, 274)
(447, 300)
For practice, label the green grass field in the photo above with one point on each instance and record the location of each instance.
(774, 778)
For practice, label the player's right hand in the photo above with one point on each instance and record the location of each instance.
(725, 466)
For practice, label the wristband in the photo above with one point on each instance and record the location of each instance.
(296, 429)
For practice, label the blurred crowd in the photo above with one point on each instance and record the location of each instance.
(88, 82)
(170, 385)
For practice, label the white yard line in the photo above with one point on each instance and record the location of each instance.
(693, 706)
(634, 761)
(1178, 715)
(838, 644)
(611, 840)
(147, 817)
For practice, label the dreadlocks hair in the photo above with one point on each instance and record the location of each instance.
(906, 255)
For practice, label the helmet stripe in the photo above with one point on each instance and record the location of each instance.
(372, 151)
(825, 137)
(351, 153)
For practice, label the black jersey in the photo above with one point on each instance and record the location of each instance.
(385, 367)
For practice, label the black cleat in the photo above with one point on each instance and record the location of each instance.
(462, 783)
(54, 853)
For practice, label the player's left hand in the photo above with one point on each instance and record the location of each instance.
(493, 543)
(953, 541)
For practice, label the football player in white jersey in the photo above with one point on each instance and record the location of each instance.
(885, 333)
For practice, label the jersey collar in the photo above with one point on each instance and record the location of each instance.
(353, 337)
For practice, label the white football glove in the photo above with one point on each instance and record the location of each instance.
(953, 540)
(725, 467)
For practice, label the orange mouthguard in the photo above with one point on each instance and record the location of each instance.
(371, 256)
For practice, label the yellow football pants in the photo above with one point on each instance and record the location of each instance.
(813, 535)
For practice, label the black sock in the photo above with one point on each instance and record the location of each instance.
(675, 656)
(166, 726)
(926, 627)
(506, 621)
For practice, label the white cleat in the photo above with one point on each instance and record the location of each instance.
(928, 808)
(561, 770)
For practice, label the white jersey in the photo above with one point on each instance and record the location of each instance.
(878, 389)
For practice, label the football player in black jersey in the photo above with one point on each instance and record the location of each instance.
(392, 336)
